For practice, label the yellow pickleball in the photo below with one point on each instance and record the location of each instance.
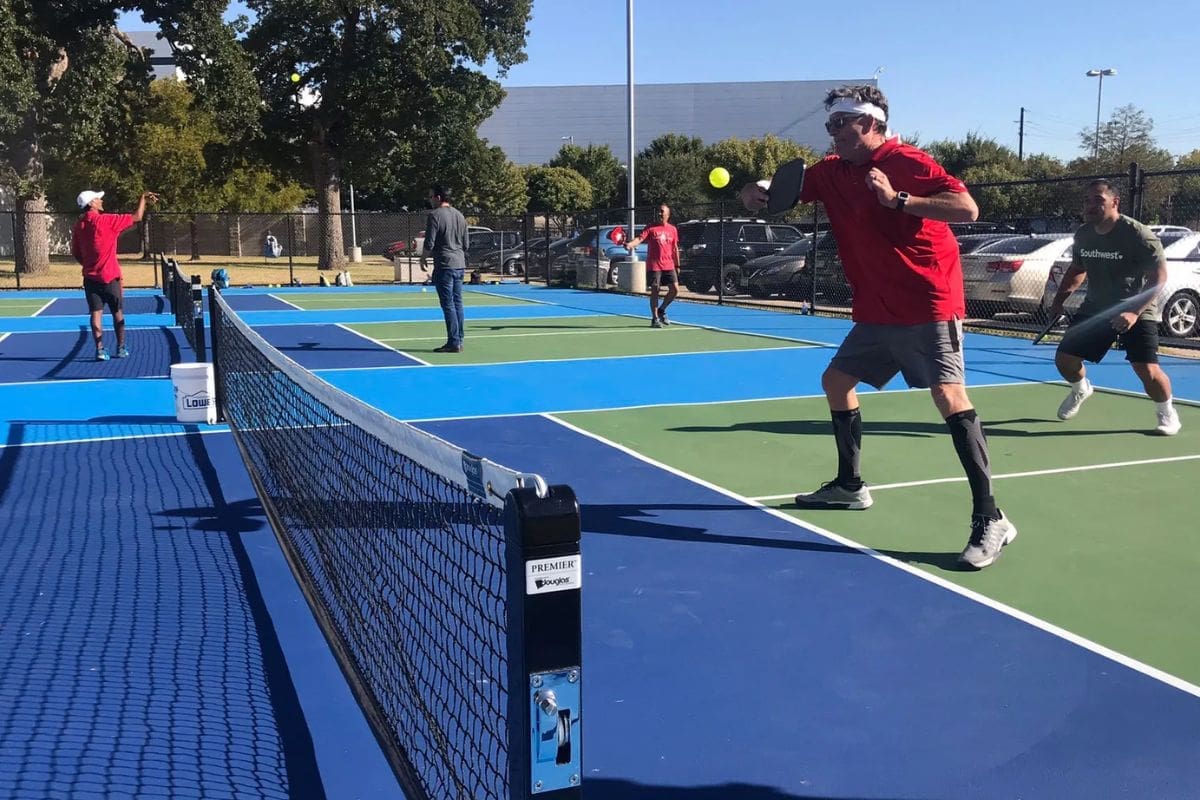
(295, 77)
(719, 177)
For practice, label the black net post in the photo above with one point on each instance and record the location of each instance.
(197, 320)
(214, 325)
(526, 235)
(545, 675)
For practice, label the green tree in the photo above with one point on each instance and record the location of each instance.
(390, 92)
(976, 152)
(494, 184)
(597, 163)
(67, 85)
(753, 159)
(557, 192)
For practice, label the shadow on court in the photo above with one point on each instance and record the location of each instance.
(993, 428)
(611, 789)
(644, 521)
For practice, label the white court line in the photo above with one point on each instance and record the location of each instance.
(5, 335)
(1029, 619)
(595, 313)
(677, 404)
(799, 346)
(1029, 474)
(639, 331)
(222, 428)
(381, 343)
(287, 302)
(43, 308)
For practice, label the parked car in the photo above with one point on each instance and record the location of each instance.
(1179, 300)
(589, 252)
(413, 247)
(481, 243)
(1010, 274)
(512, 261)
(784, 273)
(700, 250)
(970, 242)
(1159, 230)
(1181, 246)
(980, 226)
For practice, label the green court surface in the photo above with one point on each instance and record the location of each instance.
(548, 338)
(1106, 547)
(21, 307)
(331, 298)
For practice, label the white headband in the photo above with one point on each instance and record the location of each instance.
(848, 105)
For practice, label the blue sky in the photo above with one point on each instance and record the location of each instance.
(948, 68)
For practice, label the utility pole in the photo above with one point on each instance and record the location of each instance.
(1021, 136)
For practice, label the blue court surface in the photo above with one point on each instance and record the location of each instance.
(155, 643)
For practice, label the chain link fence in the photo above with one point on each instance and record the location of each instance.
(1012, 257)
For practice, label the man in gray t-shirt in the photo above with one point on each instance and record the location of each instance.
(446, 242)
(1123, 263)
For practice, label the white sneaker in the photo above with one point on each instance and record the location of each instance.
(988, 538)
(1168, 423)
(1070, 406)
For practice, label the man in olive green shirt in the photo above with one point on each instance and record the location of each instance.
(1124, 265)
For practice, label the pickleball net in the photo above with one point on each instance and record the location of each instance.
(403, 546)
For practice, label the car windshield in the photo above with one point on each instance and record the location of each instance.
(1021, 245)
(690, 234)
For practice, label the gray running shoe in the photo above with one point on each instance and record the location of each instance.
(654, 323)
(1070, 406)
(834, 496)
(988, 537)
(662, 317)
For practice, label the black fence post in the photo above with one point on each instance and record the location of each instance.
(721, 252)
(291, 249)
(16, 243)
(526, 232)
(812, 261)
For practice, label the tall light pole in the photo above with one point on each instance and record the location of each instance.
(1099, 73)
(629, 194)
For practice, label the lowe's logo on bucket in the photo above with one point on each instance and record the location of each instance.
(197, 400)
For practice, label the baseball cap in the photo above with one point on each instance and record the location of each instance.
(87, 196)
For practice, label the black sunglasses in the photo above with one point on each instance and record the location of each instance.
(835, 124)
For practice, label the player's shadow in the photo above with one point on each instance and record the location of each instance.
(915, 429)
(669, 521)
(616, 789)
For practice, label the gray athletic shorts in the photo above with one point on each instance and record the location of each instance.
(925, 354)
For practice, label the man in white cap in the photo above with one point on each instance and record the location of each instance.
(888, 205)
(94, 245)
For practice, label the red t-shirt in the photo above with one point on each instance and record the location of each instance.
(94, 244)
(661, 239)
(903, 270)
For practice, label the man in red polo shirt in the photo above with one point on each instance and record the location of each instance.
(94, 245)
(888, 204)
(662, 262)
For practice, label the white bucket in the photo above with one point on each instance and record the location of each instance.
(195, 393)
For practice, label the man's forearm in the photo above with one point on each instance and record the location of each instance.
(945, 207)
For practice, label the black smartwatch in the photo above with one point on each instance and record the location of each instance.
(901, 199)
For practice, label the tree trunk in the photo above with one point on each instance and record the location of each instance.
(331, 252)
(31, 237)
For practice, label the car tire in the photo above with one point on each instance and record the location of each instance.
(1179, 315)
(512, 267)
(731, 277)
